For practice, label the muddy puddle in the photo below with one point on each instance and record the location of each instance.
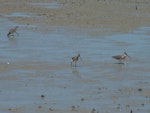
(36, 75)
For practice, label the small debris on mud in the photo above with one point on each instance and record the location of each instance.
(82, 99)
(42, 96)
(140, 89)
(39, 106)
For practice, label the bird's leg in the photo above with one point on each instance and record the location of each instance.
(71, 63)
(75, 64)
(120, 62)
(17, 33)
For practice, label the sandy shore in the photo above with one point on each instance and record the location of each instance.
(118, 15)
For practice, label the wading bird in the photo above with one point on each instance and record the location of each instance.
(12, 31)
(121, 57)
(75, 59)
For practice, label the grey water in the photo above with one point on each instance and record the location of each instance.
(34, 64)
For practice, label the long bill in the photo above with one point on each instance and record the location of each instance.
(129, 56)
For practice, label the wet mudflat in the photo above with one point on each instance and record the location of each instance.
(35, 67)
(36, 75)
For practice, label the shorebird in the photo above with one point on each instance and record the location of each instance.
(75, 59)
(12, 31)
(121, 57)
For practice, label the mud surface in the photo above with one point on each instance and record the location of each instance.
(35, 71)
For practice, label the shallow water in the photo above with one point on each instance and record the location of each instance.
(36, 63)
(24, 15)
(52, 5)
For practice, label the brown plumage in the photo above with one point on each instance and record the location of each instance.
(75, 59)
(120, 57)
(12, 31)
